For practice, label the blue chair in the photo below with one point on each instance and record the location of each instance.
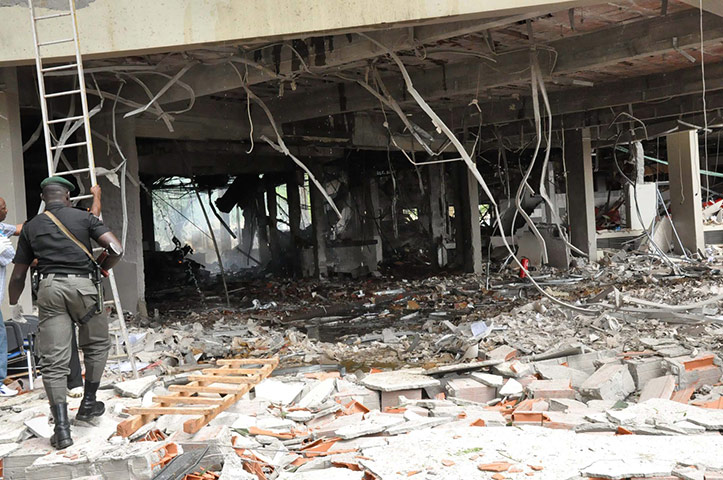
(21, 345)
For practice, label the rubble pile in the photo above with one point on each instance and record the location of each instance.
(445, 377)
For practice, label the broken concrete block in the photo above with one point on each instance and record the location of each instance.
(561, 372)
(568, 405)
(111, 461)
(318, 394)
(417, 424)
(689, 473)
(587, 362)
(689, 371)
(135, 388)
(469, 389)
(327, 429)
(564, 421)
(503, 352)
(371, 425)
(278, 392)
(511, 388)
(323, 474)
(514, 368)
(488, 379)
(551, 389)
(625, 468)
(396, 381)
(40, 426)
(12, 435)
(349, 392)
(661, 387)
(393, 399)
(612, 381)
(645, 369)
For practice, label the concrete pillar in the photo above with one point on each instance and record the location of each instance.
(12, 178)
(373, 215)
(263, 228)
(274, 244)
(438, 212)
(469, 236)
(293, 199)
(129, 272)
(685, 195)
(147, 225)
(580, 191)
(319, 225)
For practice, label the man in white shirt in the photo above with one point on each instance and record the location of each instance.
(7, 252)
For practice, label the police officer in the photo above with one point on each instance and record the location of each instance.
(67, 294)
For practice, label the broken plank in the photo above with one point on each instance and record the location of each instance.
(223, 379)
(188, 400)
(169, 410)
(231, 371)
(248, 361)
(224, 390)
(195, 424)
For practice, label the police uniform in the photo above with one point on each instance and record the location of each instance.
(66, 293)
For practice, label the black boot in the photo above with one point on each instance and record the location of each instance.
(61, 439)
(90, 407)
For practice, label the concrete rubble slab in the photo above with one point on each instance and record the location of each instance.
(278, 392)
(689, 473)
(399, 380)
(40, 426)
(488, 379)
(561, 372)
(470, 389)
(661, 387)
(551, 389)
(369, 426)
(610, 382)
(626, 468)
(511, 388)
(318, 394)
(135, 388)
(325, 474)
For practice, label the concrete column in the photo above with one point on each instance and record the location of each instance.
(293, 199)
(147, 225)
(580, 191)
(271, 204)
(319, 225)
(469, 239)
(129, 272)
(437, 212)
(373, 214)
(263, 228)
(685, 195)
(12, 178)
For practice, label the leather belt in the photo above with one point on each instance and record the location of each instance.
(67, 275)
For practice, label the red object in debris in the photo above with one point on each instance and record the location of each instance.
(525, 267)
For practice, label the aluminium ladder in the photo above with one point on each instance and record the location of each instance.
(69, 19)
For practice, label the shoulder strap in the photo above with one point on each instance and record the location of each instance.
(68, 234)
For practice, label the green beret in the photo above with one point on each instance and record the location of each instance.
(58, 180)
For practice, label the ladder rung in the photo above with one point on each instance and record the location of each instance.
(109, 302)
(59, 67)
(68, 145)
(55, 42)
(80, 197)
(60, 94)
(54, 15)
(68, 119)
(71, 172)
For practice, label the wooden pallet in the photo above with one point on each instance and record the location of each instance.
(233, 378)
